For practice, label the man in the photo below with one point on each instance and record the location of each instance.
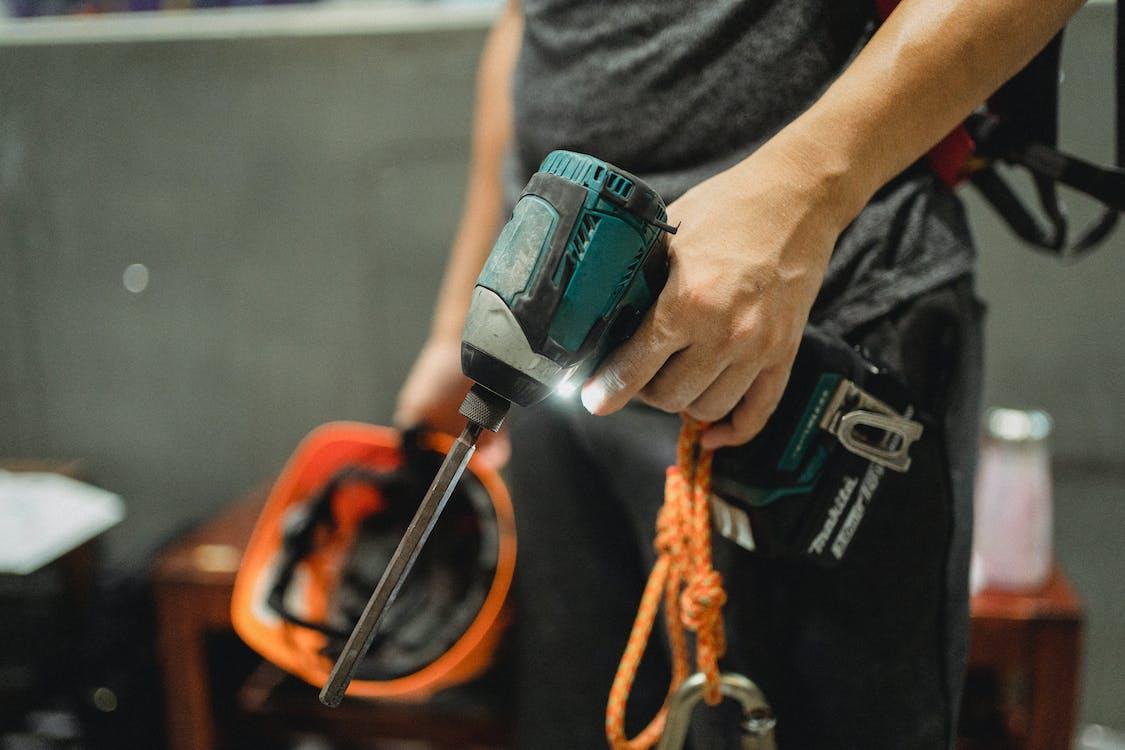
(788, 139)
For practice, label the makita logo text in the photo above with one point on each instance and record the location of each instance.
(838, 505)
(866, 490)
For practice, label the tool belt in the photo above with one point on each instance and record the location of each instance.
(803, 487)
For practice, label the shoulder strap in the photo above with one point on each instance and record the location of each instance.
(1020, 127)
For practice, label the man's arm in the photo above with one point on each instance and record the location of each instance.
(435, 386)
(484, 195)
(923, 73)
(755, 240)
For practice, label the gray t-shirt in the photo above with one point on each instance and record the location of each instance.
(678, 90)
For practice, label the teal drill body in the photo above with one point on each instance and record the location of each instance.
(572, 274)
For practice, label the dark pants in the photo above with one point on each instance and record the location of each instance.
(867, 655)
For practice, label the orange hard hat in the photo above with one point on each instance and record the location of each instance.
(328, 528)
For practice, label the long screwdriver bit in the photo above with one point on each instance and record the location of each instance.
(399, 567)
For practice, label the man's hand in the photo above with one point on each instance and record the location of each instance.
(755, 239)
(745, 268)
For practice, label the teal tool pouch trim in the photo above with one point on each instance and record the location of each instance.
(804, 486)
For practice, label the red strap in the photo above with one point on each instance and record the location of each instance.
(885, 7)
(949, 157)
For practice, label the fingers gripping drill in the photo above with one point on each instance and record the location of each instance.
(572, 274)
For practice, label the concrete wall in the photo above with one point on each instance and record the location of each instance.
(292, 197)
(291, 186)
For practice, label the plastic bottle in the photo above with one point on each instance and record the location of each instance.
(1014, 517)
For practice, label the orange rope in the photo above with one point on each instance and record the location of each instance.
(687, 584)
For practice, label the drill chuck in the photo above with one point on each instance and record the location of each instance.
(484, 408)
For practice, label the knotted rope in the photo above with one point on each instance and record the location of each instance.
(689, 587)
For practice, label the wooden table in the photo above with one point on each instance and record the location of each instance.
(1029, 639)
(192, 585)
(1032, 642)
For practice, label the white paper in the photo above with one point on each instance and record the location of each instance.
(44, 516)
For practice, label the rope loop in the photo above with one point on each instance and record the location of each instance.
(685, 584)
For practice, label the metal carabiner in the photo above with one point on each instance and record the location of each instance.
(757, 717)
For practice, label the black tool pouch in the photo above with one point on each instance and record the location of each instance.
(802, 489)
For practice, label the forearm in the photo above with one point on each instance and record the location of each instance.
(923, 72)
(481, 215)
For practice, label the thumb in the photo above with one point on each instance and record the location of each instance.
(495, 448)
(408, 410)
(628, 369)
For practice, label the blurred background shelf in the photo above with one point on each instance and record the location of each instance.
(90, 9)
(293, 18)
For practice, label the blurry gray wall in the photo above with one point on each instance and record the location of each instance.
(292, 196)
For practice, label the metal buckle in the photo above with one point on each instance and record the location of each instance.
(852, 408)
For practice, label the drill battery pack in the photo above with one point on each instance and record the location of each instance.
(845, 429)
